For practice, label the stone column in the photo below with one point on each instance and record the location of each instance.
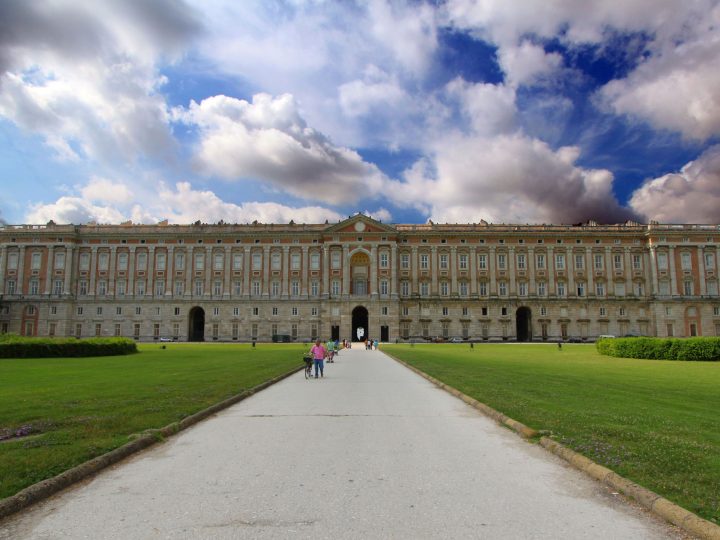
(434, 270)
(247, 270)
(530, 265)
(111, 272)
(453, 270)
(491, 270)
(209, 272)
(227, 272)
(150, 285)
(651, 261)
(701, 270)
(131, 272)
(326, 271)
(69, 270)
(170, 272)
(473, 271)
(266, 272)
(49, 271)
(393, 270)
(415, 263)
(346, 270)
(551, 271)
(189, 271)
(19, 289)
(285, 285)
(305, 263)
(93, 270)
(673, 277)
(572, 291)
(609, 271)
(3, 264)
(512, 291)
(373, 272)
(628, 272)
(590, 270)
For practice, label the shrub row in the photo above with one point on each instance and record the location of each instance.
(12, 346)
(697, 348)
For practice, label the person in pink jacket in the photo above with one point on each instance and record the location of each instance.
(319, 353)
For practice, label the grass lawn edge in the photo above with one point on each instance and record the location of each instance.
(46, 488)
(650, 500)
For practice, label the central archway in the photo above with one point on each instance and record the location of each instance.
(359, 320)
(523, 317)
(196, 330)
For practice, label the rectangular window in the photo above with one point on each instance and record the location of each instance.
(484, 311)
(463, 288)
(218, 261)
(35, 260)
(540, 261)
(53, 310)
(617, 261)
(254, 331)
(295, 288)
(140, 262)
(159, 287)
(217, 287)
(482, 262)
(541, 288)
(712, 288)
(444, 288)
(619, 289)
(314, 288)
(521, 261)
(160, 264)
(294, 331)
(686, 261)
(295, 261)
(688, 288)
(443, 261)
(424, 261)
(599, 289)
(501, 259)
(405, 261)
(335, 287)
(404, 288)
(275, 288)
(257, 261)
(275, 261)
(136, 330)
(560, 261)
(179, 288)
(199, 287)
(384, 260)
(522, 288)
(637, 262)
(709, 261)
(140, 288)
(581, 289)
(58, 287)
(599, 261)
(294, 311)
(216, 311)
(156, 330)
(314, 311)
(237, 288)
(383, 287)
(315, 261)
(670, 330)
(199, 261)
(138, 310)
(662, 261)
(424, 288)
(122, 261)
(502, 288)
(78, 330)
(579, 262)
(664, 288)
(12, 262)
(237, 261)
(102, 287)
(543, 311)
(34, 286)
(463, 261)
(79, 310)
(59, 261)
(561, 288)
(235, 330)
(335, 259)
(10, 286)
(483, 288)
(256, 288)
(180, 261)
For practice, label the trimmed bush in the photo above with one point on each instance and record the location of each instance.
(13, 346)
(697, 348)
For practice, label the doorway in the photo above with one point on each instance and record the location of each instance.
(522, 324)
(196, 331)
(360, 320)
(335, 333)
(384, 334)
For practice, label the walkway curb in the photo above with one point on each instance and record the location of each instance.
(44, 489)
(669, 511)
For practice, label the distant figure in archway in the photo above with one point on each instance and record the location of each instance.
(360, 333)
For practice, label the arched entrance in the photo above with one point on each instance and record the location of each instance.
(196, 330)
(359, 320)
(523, 318)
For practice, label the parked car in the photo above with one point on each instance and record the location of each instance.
(165, 339)
(438, 339)
(456, 339)
(574, 339)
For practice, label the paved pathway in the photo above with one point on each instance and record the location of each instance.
(370, 451)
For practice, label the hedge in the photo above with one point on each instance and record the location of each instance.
(697, 348)
(13, 346)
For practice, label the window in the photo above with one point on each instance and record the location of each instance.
(443, 261)
(237, 259)
(581, 289)
(199, 261)
(424, 288)
(140, 287)
(294, 311)
(716, 311)
(662, 260)
(34, 286)
(179, 288)
(35, 260)
(405, 261)
(314, 287)
(639, 289)
(156, 330)
(256, 311)
(561, 291)
(275, 288)
(237, 287)
(502, 288)
(275, 262)
(58, 287)
(335, 259)
(159, 287)
(79, 310)
(257, 261)
(560, 261)
(670, 330)
(622, 312)
(295, 287)
(664, 288)
(541, 288)
(51, 329)
(176, 311)
(12, 262)
(404, 330)
(314, 311)
(180, 261)
(685, 261)
(315, 261)
(254, 331)
(335, 287)
(78, 330)
(217, 287)
(482, 262)
(384, 260)
(120, 287)
(484, 311)
(235, 330)
(53, 310)
(294, 331)
(521, 265)
(617, 261)
(216, 311)
(483, 288)
(463, 265)
(579, 262)
(404, 288)
(637, 262)
(503, 312)
(161, 258)
(540, 261)
(141, 262)
(199, 287)
(102, 287)
(10, 286)
(620, 289)
(444, 288)
(709, 261)
(424, 261)
(543, 311)
(603, 312)
(445, 329)
(465, 312)
(218, 260)
(463, 288)
(59, 261)
(256, 288)
(405, 311)
(522, 288)
(383, 287)
(295, 261)
(599, 262)
(688, 287)
(122, 261)
(138, 310)
(502, 261)
(136, 330)
(82, 287)
(599, 289)
(712, 288)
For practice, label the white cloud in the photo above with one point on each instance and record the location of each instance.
(269, 140)
(527, 63)
(691, 195)
(73, 210)
(377, 90)
(490, 108)
(106, 190)
(508, 179)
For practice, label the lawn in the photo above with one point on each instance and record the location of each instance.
(77, 408)
(654, 422)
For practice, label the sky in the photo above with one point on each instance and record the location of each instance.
(455, 111)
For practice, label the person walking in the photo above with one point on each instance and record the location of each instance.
(319, 352)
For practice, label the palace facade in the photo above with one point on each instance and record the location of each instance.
(243, 282)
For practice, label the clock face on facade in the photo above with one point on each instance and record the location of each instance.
(359, 226)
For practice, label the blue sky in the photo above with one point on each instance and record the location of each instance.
(504, 110)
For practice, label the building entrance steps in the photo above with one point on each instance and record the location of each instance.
(372, 450)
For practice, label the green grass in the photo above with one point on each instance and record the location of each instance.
(80, 408)
(654, 422)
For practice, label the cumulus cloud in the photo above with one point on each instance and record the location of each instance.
(83, 76)
(489, 108)
(508, 179)
(527, 63)
(73, 210)
(268, 139)
(691, 195)
(106, 190)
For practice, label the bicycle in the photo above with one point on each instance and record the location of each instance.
(308, 365)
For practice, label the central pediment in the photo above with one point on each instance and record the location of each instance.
(360, 223)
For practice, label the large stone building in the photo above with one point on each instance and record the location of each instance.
(242, 282)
